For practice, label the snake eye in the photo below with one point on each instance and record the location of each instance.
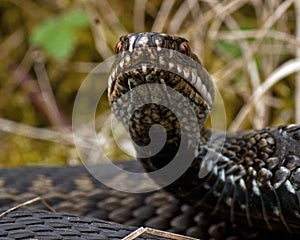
(185, 48)
(118, 47)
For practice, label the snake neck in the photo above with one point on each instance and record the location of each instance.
(159, 130)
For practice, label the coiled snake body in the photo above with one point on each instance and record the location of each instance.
(239, 185)
(251, 177)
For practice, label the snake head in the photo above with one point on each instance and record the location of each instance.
(159, 58)
(166, 61)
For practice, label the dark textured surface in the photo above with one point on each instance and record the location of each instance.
(44, 225)
(72, 190)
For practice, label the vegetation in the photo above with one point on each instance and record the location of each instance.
(251, 48)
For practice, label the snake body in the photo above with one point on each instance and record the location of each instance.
(82, 195)
(251, 177)
(40, 224)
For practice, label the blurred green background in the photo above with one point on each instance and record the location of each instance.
(48, 47)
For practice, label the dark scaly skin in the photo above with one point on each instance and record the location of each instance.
(45, 225)
(74, 191)
(82, 195)
(256, 179)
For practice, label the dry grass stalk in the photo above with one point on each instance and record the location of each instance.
(281, 72)
(26, 204)
(155, 232)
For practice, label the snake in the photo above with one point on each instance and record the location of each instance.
(238, 185)
(247, 176)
